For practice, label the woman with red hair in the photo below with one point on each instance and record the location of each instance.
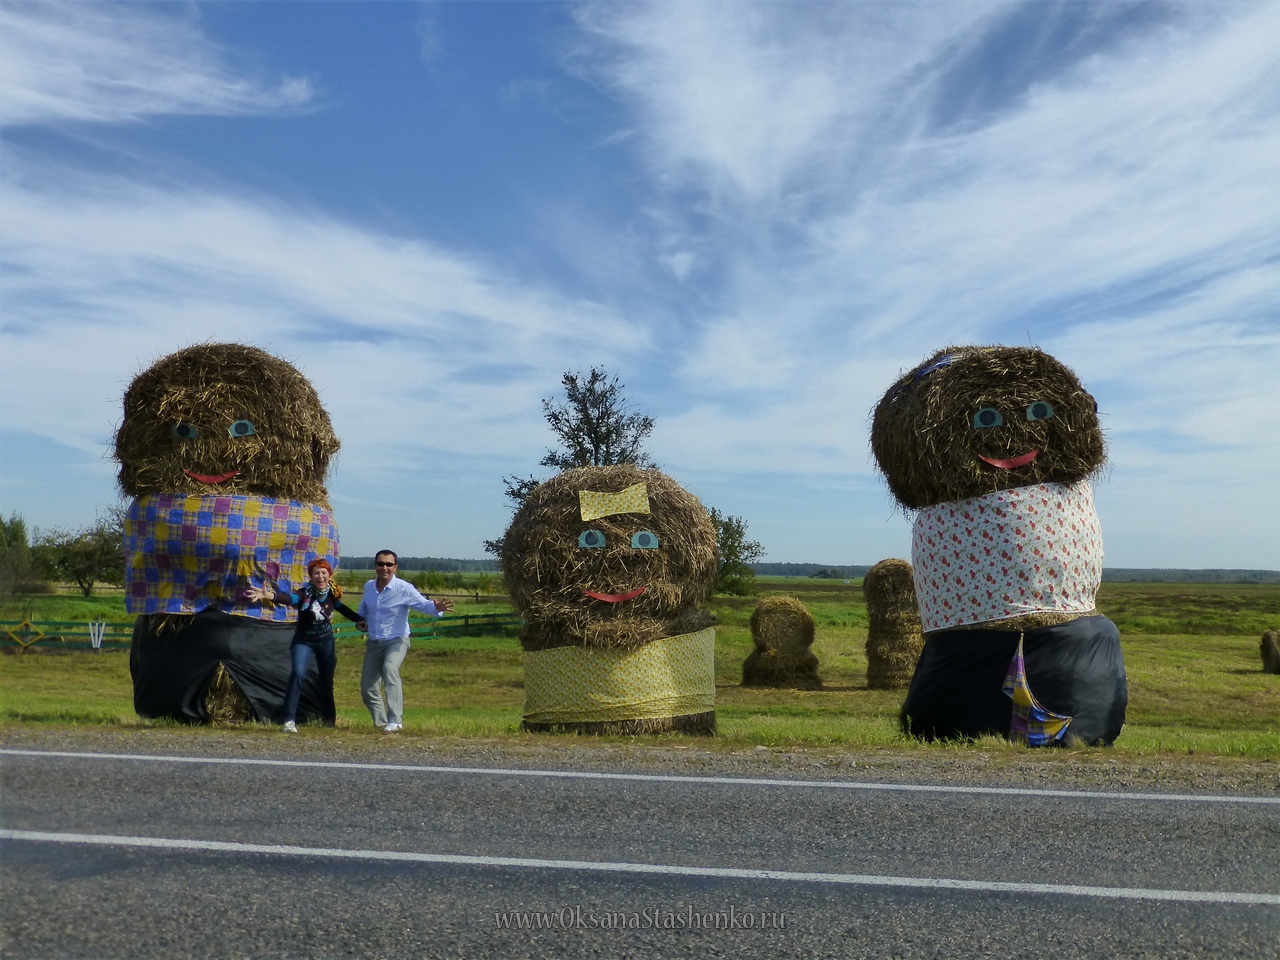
(316, 602)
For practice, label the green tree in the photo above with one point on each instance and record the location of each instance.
(15, 554)
(596, 426)
(85, 557)
(737, 553)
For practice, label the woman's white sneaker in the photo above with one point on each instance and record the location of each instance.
(393, 728)
(290, 727)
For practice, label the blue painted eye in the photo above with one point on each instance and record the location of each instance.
(1039, 411)
(184, 431)
(241, 428)
(987, 417)
(644, 540)
(591, 539)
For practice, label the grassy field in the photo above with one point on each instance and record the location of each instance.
(1191, 650)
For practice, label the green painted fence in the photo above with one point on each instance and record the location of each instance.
(116, 635)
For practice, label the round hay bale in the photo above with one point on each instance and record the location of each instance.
(1271, 651)
(783, 630)
(894, 637)
(547, 573)
(185, 417)
(923, 435)
(635, 573)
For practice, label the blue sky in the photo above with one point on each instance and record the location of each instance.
(755, 214)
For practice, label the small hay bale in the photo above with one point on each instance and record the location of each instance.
(179, 417)
(1271, 651)
(894, 638)
(782, 629)
(925, 443)
(224, 702)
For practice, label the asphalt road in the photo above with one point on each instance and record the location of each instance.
(297, 855)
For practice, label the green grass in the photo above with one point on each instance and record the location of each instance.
(1191, 651)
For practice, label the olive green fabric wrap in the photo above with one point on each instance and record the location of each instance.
(670, 677)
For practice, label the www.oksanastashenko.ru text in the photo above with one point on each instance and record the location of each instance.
(650, 918)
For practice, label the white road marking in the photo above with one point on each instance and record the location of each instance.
(654, 778)
(733, 873)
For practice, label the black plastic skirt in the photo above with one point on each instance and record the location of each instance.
(173, 663)
(1074, 669)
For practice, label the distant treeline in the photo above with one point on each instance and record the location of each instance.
(442, 564)
(853, 571)
(821, 570)
(1109, 574)
(1138, 575)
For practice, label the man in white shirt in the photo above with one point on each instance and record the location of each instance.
(385, 607)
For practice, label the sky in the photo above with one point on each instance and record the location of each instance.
(757, 215)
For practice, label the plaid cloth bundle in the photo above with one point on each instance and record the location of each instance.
(187, 553)
(1032, 723)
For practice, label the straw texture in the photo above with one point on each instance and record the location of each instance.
(783, 631)
(925, 441)
(894, 637)
(179, 415)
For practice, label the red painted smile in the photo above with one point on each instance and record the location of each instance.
(615, 597)
(1013, 462)
(212, 477)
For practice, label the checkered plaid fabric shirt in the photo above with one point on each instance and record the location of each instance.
(184, 554)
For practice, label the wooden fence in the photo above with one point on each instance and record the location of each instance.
(116, 635)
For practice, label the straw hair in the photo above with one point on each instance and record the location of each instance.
(925, 443)
(547, 572)
(894, 638)
(209, 387)
(1271, 651)
(783, 630)
(224, 702)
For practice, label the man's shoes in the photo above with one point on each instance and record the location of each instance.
(290, 727)
(393, 728)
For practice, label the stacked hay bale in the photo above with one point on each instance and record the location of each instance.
(782, 629)
(224, 449)
(1271, 651)
(994, 447)
(894, 638)
(611, 567)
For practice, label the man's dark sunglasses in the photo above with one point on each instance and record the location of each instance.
(383, 563)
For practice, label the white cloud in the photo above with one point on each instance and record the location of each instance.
(113, 63)
(1115, 204)
(146, 271)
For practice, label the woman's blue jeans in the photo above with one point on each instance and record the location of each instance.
(327, 661)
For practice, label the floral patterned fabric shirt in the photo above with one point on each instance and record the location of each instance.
(1025, 550)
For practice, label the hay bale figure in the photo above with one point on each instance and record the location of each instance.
(224, 450)
(611, 567)
(994, 447)
(1271, 651)
(783, 632)
(894, 638)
